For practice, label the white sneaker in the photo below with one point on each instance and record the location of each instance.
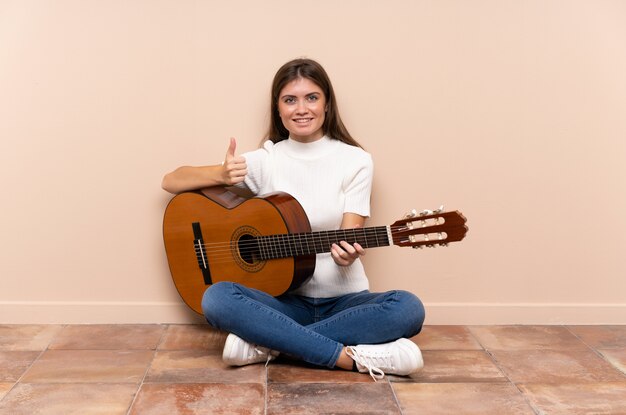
(238, 352)
(401, 357)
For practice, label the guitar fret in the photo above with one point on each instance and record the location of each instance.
(308, 248)
(364, 238)
(317, 243)
(300, 243)
(293, 245)
(274, 246)
(280, 245)
(366, 243)
(341, 235)
(382, 232)
(296, 243)
(266, 247)
(259, 241)
(283, 247)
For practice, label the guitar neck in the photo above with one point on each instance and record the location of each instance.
(298, 244)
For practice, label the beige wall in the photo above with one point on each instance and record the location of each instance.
(512, 111)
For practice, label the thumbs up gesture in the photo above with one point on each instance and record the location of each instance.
(234, 168)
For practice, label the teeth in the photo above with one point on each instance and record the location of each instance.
(303, 120)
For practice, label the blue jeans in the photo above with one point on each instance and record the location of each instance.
(312, 329)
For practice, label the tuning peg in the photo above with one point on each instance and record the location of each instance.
(411, 214)
(426, 212)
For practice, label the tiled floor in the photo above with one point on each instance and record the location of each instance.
(177, 369)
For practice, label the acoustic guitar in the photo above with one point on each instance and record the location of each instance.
(266, 242)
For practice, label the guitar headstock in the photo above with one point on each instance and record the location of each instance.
(429, 228)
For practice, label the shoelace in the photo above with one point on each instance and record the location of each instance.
(368, 362)
(259, 351)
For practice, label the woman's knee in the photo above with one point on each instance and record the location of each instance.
(412, 311)
(215, 298)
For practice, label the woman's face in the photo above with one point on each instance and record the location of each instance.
(302, 109)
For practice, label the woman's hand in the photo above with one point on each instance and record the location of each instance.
(234, 168)
(346, 254)
(343, 253)
(230, 172)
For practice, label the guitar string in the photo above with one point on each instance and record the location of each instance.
(286, 242)
(228, 257)
(353, 230)
(281, 240)
(286, 249)
(318, 234)
(295, 237)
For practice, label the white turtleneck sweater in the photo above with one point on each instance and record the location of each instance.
(328, 178)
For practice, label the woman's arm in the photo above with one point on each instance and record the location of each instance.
(229, 173)
(352, 220)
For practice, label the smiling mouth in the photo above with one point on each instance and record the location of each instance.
(302, 120)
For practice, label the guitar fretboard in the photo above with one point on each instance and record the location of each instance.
(298, 244)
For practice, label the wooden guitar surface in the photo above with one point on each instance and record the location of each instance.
(227, 223)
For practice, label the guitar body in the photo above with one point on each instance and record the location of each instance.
(206, 234)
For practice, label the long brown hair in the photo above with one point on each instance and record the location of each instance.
(307, 68)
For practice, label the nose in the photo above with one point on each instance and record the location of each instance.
(301, 107)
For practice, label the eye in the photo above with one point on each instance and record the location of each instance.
(313, 98)
(289, 100)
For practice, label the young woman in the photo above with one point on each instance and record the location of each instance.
(332, 320)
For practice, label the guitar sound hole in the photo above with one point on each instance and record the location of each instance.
(248, 249)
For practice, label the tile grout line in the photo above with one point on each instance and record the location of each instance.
(19, 380)
(495, 361)
(145, 373)
(595, 350)
(266, 387)
(395, 397)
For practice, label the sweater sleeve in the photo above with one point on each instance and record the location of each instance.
(358, 187)
(257, 162)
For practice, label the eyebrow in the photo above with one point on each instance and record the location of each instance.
(306, 95)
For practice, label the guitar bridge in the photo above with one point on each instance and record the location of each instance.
(203, 260)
